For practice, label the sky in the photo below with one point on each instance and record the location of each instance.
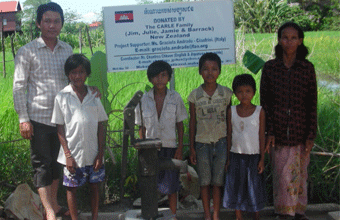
(89, 10)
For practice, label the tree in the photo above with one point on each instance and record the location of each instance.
(180, 0)
(260, 16)
(323, 14)
(71, 24)
(30, 14)
(145, 2)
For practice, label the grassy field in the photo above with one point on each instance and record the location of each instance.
(324, 54)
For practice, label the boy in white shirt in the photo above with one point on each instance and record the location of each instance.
(163, 113)
(79, 116)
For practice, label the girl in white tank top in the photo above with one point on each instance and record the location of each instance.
(244, 187)
(245, 132)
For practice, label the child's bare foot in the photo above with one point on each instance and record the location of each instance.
(238, 214)
(207, 217)
(256, 216)
(216, 216)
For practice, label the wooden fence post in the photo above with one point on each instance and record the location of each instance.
(172, 81)
(31, 29)
(12, 46)
(3, 50)
(89, 39)
(80, 39)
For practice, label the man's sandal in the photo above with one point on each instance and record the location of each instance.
(62, 213)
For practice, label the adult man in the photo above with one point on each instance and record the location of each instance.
(39, 75)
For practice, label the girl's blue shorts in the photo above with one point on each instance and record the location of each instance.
(83, 175)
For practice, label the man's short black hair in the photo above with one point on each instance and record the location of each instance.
(210, 57)
(244, 80)
(51, 6)
(76, 60)
(157, 67)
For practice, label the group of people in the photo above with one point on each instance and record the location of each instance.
(63, 118)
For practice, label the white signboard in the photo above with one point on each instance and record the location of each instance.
(178, 33)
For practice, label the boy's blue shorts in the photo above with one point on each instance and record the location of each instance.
(83, 175)
(211, 160)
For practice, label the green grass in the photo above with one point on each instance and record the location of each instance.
(324, 46)
(324, 170)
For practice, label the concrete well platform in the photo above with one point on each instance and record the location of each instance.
(314, 212)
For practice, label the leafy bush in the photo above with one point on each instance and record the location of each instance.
(297, 15)
(71, 39)
(331, 23)
(267, 15)
(260, 16)
(97, 37)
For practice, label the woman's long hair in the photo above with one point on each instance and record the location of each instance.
(301, 51)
